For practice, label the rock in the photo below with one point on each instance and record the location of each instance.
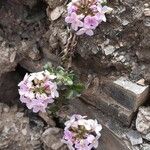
(141, 82)
(56, 13)
(30, 3)
(147, 78)
(147, 12)
(145, 147)
(134, 137)
(125, 22)
(143, 120)
(146, 137)
(109, 50)
(19, 115)
(54, 3)
(127, 93)
(6, 62)
(16, 132)
(104, 103)
(9, 87)
(111, 138)
(6, 108)
(14, 108)
(146, 5)
(47, 119)
(120, 57)
(144, 55)
(1, 108)
(1, 38)
(52, 139)
(34, 54)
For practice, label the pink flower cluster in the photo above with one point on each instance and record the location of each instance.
(81, 133)
(85, 15)
(37, 90)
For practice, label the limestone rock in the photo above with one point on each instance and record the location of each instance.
(134, 137)
(7, 64)
(147, 137)
(127, 93)
(56, 13)
(30, 3)
(52, 139)
(147, 12)
(143, 120)
(48, 119)
(15, 130)
(109, 50)
(145, 147)
(54, 3)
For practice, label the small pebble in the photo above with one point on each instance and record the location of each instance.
(19, 115)
(146, 5)
(24, 132)
(6, 108)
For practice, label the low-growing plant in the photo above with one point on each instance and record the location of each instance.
(81, 133)
(54, 86)
(84, 16)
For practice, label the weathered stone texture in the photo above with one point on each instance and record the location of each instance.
(52, 139)
(109, 106)
(127, 93)
(143, 120)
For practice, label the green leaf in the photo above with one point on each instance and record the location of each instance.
(70, 94)
(79, 87)
(68, 81)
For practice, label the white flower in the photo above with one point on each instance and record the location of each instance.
(83, 133)
(50, 76)
(97, 127)
(85, 123)
(37, 90)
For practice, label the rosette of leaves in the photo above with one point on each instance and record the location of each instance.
(68, 83)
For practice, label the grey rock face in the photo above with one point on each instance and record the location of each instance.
(7, 58)
(54, 3)
(134, 137)
(145, 147)
(127, 93)
(52, 139)
(147, 137)
(143, 120)
(15, 130)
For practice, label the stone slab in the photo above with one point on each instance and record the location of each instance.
(109, 106)
(134, 137)
(127, 93)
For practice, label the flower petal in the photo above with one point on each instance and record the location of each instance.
(89, 32)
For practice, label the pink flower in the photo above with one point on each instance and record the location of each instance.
(71, 8)
(102, 11)
(93, 8)
(37, 90)
(38, 106)
(51, 88)
(74, 20)
(86, 31)
(90, 22)
(92, 12)
(82, 145)
(68, 135)
(81, 133)
(90, 138)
